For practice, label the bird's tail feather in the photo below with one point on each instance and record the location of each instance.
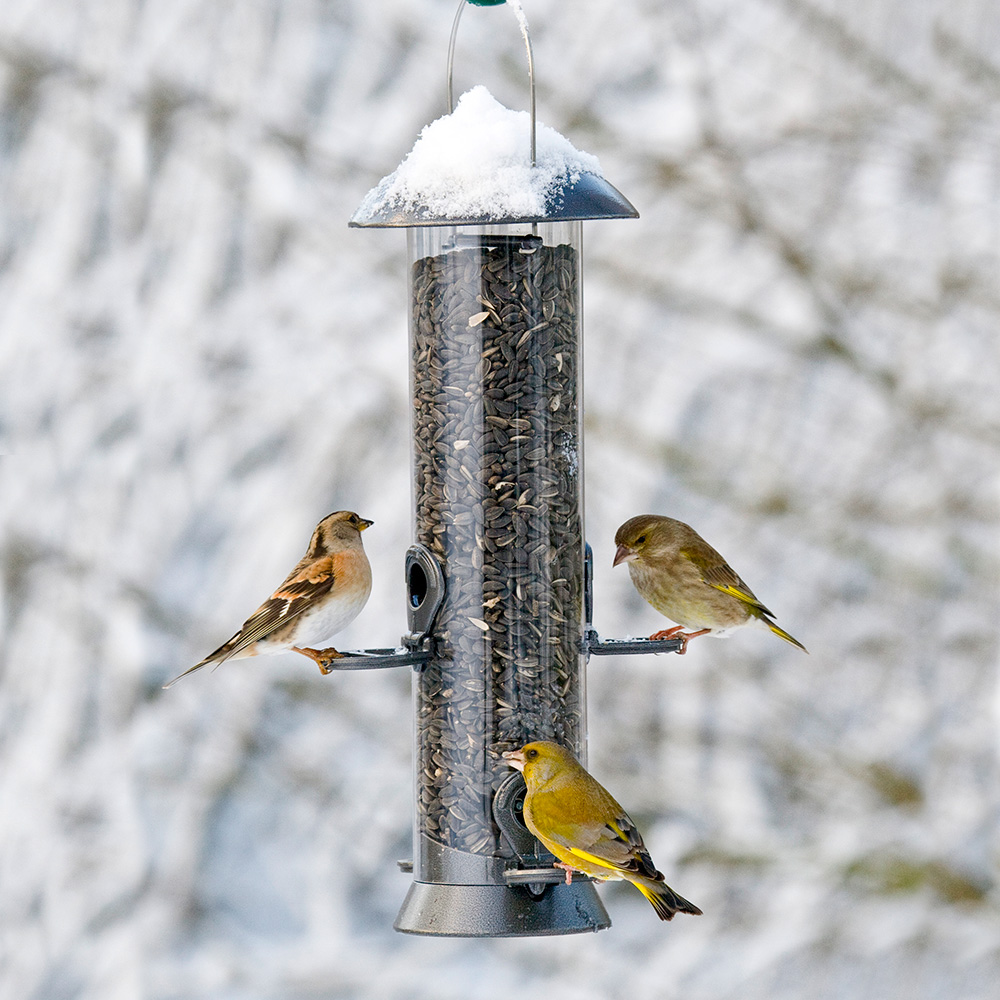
(218, 657)
(665, 901)
(190, 670)
(777, 630)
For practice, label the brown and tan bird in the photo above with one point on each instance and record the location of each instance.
(322, 595)
(576, 818)
(684, 578)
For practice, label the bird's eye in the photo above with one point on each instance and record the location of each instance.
(640, 540)
(531, 754)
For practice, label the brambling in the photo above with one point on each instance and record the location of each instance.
(322, 595)
(684, 578)
(581, 824)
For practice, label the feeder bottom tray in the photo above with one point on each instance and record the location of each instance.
(502, 910)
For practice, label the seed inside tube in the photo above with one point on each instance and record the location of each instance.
(495, 382)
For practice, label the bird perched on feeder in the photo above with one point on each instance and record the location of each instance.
(322, 595)
(684, 578)
(581, 824)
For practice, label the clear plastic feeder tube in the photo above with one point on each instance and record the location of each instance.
(496, 379)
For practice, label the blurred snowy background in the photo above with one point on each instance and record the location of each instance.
(794, 349)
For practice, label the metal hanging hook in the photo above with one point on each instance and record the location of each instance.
(523, 24)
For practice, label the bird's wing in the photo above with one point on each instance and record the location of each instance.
(717, 573)
(617, 845)
(304, 587)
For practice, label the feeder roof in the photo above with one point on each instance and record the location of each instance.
(473, 167)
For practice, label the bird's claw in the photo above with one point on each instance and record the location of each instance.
(566, 868)
(676, 633)
(323, 658)
(667, 633)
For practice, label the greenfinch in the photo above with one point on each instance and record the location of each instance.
(684, 578)
(585, 828)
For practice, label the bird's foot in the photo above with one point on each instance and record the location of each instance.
(677, 633)
(686, 637)
(323, 658)
(667, 633)
(566, 868)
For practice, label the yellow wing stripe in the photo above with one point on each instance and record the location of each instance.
(594, 859)
(740, 595)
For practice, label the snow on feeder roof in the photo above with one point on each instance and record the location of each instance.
(473, 166)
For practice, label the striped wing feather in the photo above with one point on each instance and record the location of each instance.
(616, 844)
(297, 594)
(716, 572)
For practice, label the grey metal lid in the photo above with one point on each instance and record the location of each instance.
(580, 194)
(589, 196)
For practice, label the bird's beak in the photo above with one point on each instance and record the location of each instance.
(624, 554)
(514, 758)
(364, 523)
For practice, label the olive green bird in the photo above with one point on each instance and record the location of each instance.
(684, 578)
(581, 824)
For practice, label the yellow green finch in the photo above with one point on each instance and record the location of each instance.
(584, 827)
(684, 578)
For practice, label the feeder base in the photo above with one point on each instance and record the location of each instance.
(501, 910)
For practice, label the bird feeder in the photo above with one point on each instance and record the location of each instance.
(498, 580)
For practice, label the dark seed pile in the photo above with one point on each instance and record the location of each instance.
(496, 433)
